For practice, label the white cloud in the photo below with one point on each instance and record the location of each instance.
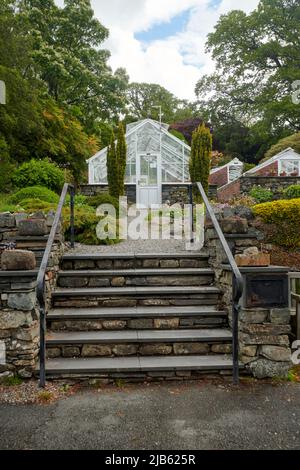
(176, 62)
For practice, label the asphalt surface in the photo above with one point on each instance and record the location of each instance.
(164, 417)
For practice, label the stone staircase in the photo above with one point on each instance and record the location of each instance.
(137, 317)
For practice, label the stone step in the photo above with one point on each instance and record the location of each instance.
(134, 261)
(135, 296)
(84, 319)
(138, 343)
(136, 277)
(139, 368)
(138, 312)
(139, 336)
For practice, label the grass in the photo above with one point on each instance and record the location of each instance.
(45, 396)
(12, 381)
(5, 206)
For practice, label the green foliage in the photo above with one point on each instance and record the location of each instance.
(12, 381)
(39, 173)
(32, 205)
(292, 141)
(6, 167)
(34, 192)
(292, 192)
(256, 65)
(121, 157)
(283, 221)
(261, 195)
(112, 168)
(86, 222)
(104, 198)
(178, 134)
(249, 166)
(200, 162)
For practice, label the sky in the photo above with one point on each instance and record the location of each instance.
(163, 41)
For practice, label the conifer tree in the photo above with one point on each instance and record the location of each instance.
(200, 161)
(112, 168)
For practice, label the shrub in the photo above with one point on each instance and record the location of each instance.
(32, 205)
(39, 173)
(34, 192)
(283, 221)
(103, 198)
(292, 192)
(86, 222)
(261, 195)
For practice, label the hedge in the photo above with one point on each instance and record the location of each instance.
(34, 192)
(283, 221)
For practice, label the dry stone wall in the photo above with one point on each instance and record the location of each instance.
(264, 341)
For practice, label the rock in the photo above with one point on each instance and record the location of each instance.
(140, 324)
(38, 215)
(32, 227)
(7, 220)
(263, 368)
(73, 282)
(155, 349)
(70, 351)
(249, 340)
(19, 217)
(244, 212)
(169, 263)
(27, 334)
(89, 350)
(249, 351)
(166, 323)
(221, 348)
(14, 319)
(154, 303)
(22, 300)
(266, 329)
(84, 264)
(191, 348)
(254, 316)
(124, 264)
(252, 251)
(5, 375)
(280, 316)
(190, 263)
(260, 259)
(114, 324)
(53, 353)
(113, 303)
(25, 373)
(105, 264)
(151, 263)
(124, 350)
(234, 225)
(118, 281)
(276, 353)
(18, 260)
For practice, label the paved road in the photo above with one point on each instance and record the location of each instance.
(169, 417)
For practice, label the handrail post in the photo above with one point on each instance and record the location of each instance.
(191, 202)
(235, 332)
(72, 216)
(42, 346)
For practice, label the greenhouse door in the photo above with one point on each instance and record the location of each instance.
(148, 191)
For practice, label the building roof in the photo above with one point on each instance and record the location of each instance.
(133, 127)
(233, 162)
(288, 154)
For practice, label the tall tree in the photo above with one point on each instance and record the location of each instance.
(200, 160)
(121, 158)
(112, 168)
(257, 62)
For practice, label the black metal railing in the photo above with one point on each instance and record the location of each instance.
(41, 279)
(237, 281)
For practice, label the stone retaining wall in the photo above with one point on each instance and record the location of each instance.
(19, 315)
(263, 332)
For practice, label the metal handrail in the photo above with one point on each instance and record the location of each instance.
(41, 279)
(237, 283)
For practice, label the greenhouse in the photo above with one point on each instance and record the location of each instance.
(155, 158)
